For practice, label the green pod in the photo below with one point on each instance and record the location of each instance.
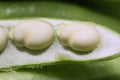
(68, 71)
(19, 11)
(100, 70)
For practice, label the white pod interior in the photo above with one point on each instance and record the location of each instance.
(14, 56)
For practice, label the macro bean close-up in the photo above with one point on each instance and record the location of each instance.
(59, 40)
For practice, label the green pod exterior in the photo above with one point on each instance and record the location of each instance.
(104, 70)
(9, 10)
